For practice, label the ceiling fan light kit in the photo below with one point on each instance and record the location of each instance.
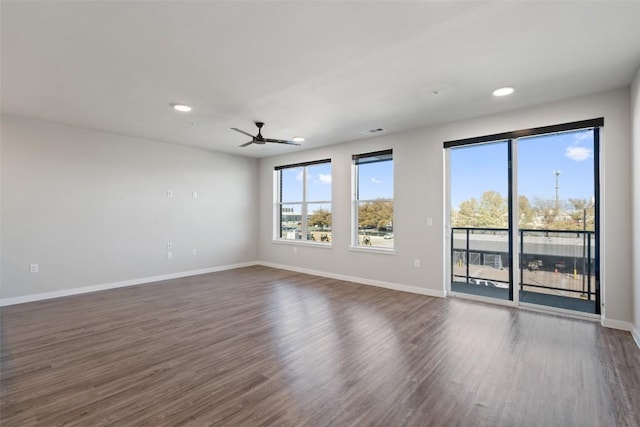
(259, 139)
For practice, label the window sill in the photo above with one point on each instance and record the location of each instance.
(302, 243)
(383, 251)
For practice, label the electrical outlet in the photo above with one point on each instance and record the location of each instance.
(429, 222)
(169, 255)
(195, 251)
(195, 194)
(416, 263)
(34, 268)
(169, 193)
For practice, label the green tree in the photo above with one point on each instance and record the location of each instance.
(546, 213)
(526, 212)
(375, 215)
(581, 209)
(492, 211)
(320, 218)
(466, 215)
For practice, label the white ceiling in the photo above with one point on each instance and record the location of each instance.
(323, 70)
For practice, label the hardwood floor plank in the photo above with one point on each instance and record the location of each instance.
(261, 346)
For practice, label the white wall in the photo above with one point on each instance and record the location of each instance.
(635, 122)
(419, 194)
(91, 208)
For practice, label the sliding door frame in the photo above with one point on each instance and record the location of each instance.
(512, 140)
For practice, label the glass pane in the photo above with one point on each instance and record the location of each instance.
(556, 181)
(485, 261)
(479, 183)
(291, 222)
(319, 182)
(291, 185)
(479, 219)
(557, 220)
(459, 261)
(319, 222)
(375, 180)
(375, 224)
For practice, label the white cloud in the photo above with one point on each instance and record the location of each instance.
(324, 179)
(577, 153)
(583, 135)
(299, 176)
(376, 181)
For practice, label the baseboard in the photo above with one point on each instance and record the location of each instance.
(114, 285)
(635, 333)
(361, 280)
(617, 324)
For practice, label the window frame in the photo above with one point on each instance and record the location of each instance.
(304, 204)
(356, 201)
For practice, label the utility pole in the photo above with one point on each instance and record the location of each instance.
(557, 174)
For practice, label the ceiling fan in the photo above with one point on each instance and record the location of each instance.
(259, 139)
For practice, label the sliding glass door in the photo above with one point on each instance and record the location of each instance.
(480, 216)
(524, 216)
(557, 221)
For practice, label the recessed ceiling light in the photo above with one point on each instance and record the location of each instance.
(181, 107)
(298, 139)
(503, 91)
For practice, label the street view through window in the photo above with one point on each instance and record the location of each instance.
(305, 202)
(373, 202)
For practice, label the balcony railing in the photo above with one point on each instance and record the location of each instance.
(553, 262)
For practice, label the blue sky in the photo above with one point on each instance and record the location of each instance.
(476, 169)
(376, 181)
(318, 185)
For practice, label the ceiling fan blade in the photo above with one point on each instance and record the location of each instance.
(281, 141)
(259, 139)
(241, 131)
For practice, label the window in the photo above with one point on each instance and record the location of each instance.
(303, 202)
(373, 200)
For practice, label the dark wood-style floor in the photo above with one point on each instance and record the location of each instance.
(260, 346)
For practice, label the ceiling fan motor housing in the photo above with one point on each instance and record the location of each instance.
(259, 139)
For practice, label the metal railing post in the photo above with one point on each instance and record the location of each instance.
(588, 272)
(467, 252)
(521, 260)
(452, 255)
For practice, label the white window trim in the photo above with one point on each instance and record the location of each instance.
(369, 249)
(277, 209)
(309, 243)
(355, 245)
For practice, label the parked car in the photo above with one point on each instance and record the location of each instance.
(388, 236)
(534, 265)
